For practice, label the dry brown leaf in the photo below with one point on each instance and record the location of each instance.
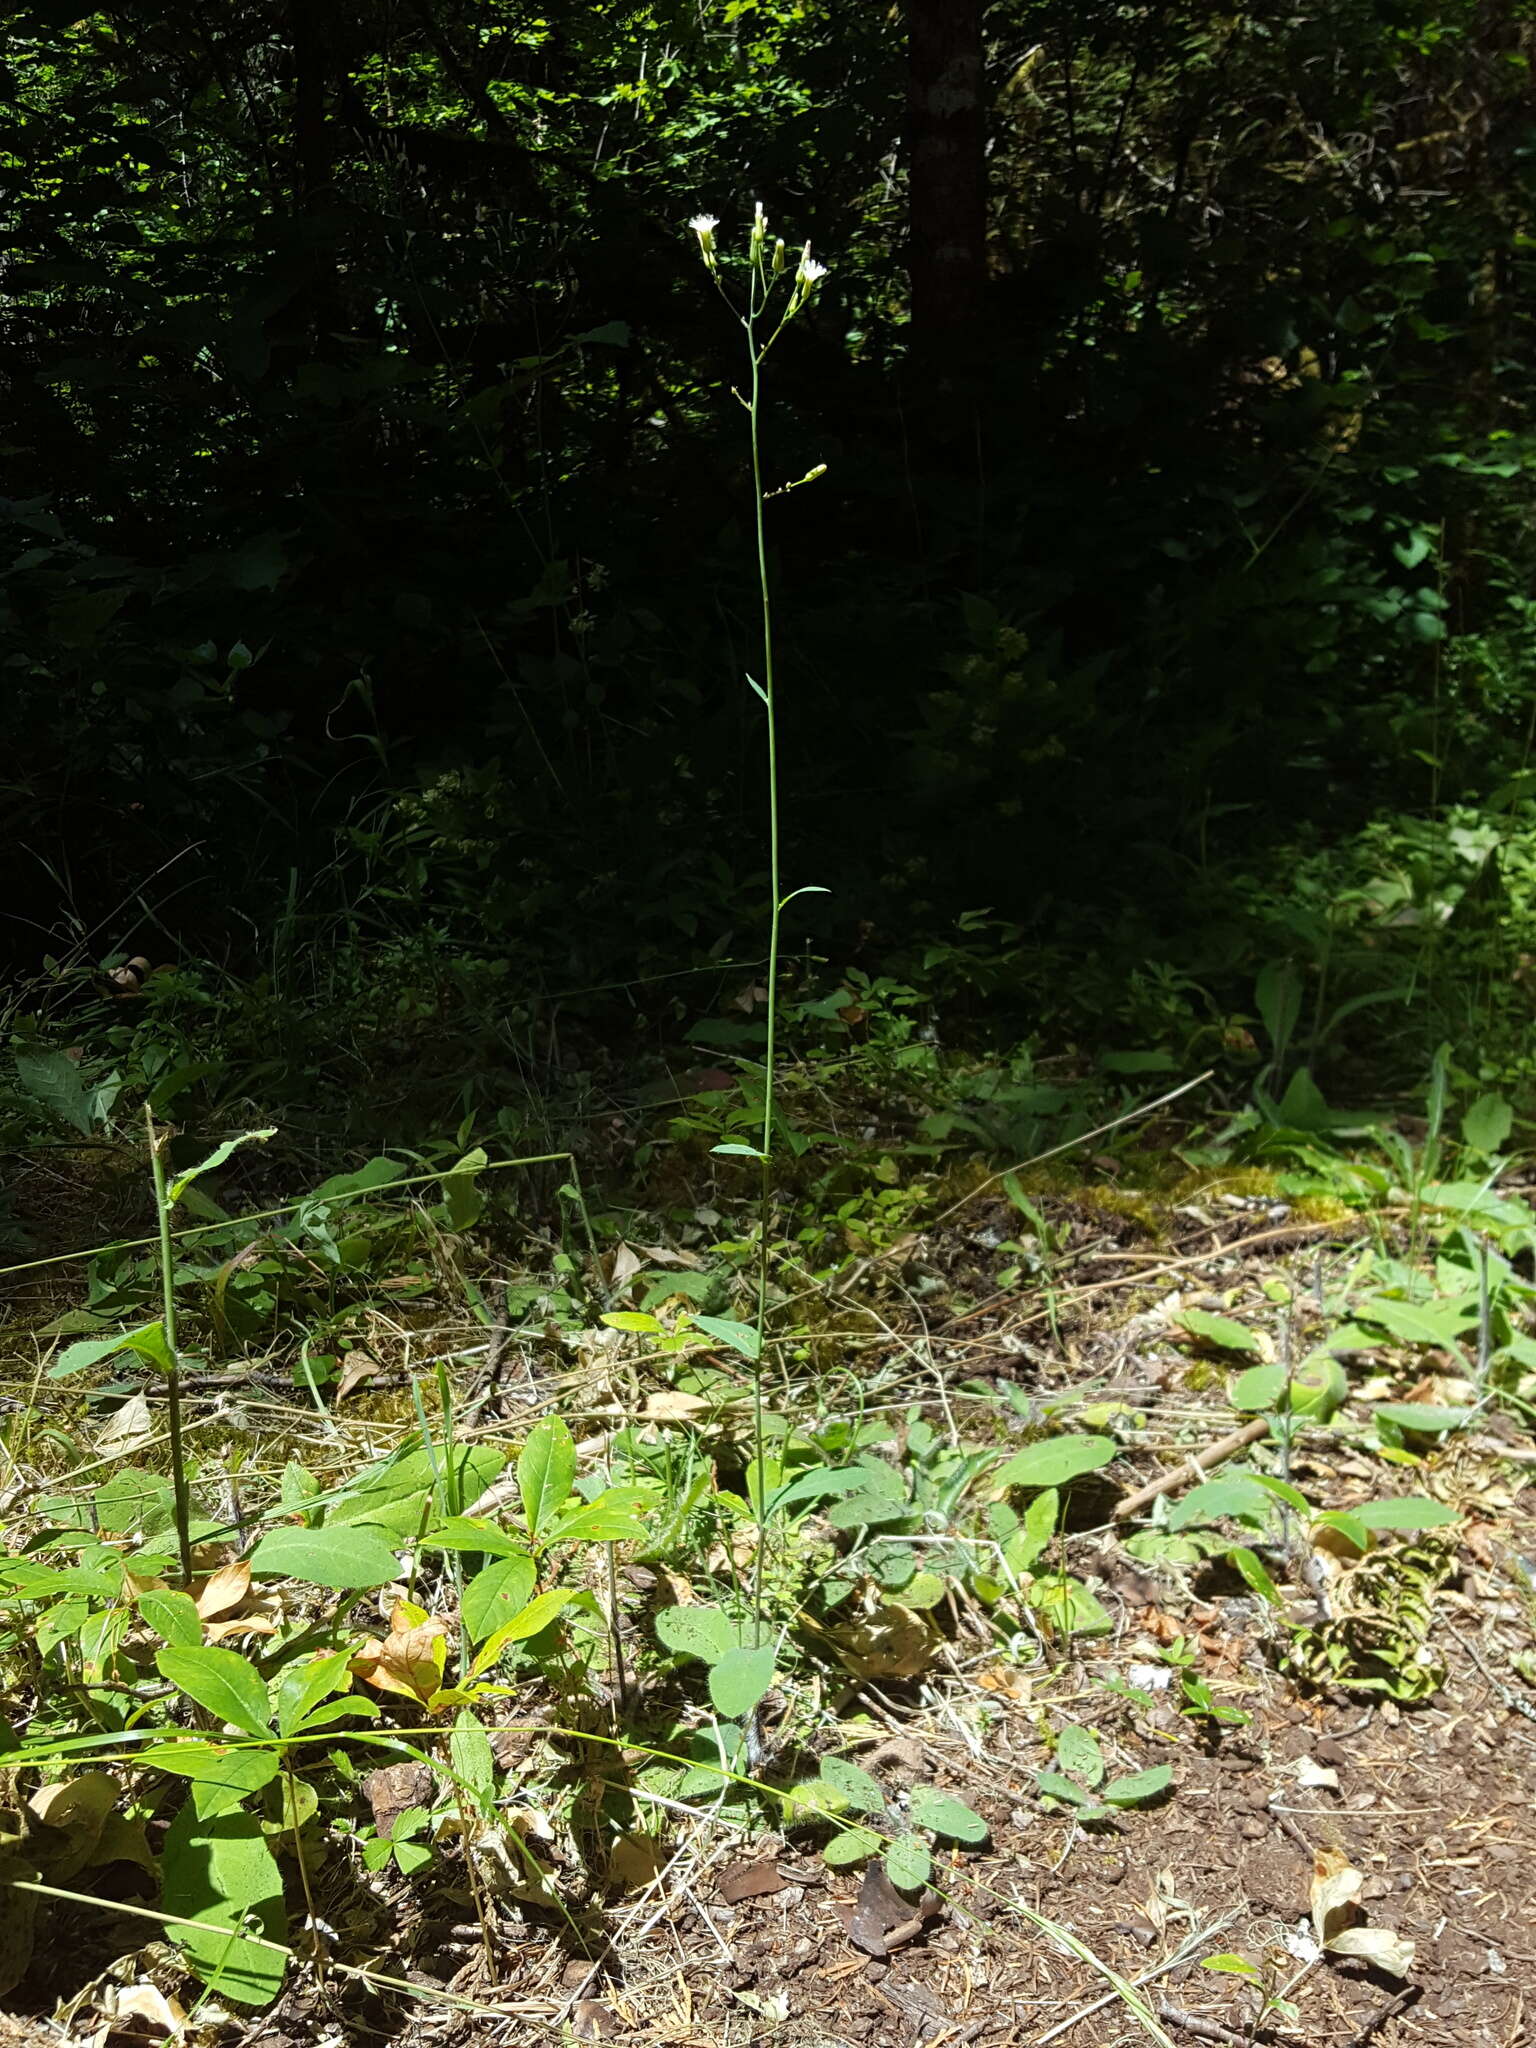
(126, 1430)
(1336, 1890)
(225, 1590)
(74, 1813)
(666, 1255)
(623, 1263)
(394, 1789)
(409, 1661)
(633, 1860)
(1335, 1896)
(1378, 1946)
(672, 1406)
(887, 1641)
(145, 2003)
(356, 1367)
(1008, 1680)
(750, 1880)
(242, 1625)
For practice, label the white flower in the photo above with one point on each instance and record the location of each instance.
(759, 230)
(811, 272)
(704, 225)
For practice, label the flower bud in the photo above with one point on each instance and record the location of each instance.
(759, 231)
(780, 258)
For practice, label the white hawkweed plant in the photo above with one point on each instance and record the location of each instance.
(775, 290)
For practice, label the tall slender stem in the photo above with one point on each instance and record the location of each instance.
(765, 1196)
(173, 1371)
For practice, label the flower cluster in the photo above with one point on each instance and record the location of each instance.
(808, 272)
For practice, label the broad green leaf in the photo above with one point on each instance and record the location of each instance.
(1282, 1489)
(1422, 1419)
(1137, 1789)
(740, 1680)
(1055, 1786)
(1254, 1576)
(394, 1492)
(1258, 1388)
(223, 1681)
(741, 1337)
(148, 1340)
(945, 1815)
(1032, 1538)
(348, 1560)
(1054, 1462)
(220, 1870)
(222, 1777)
(536, 1616)
(1239, 1496)
(703, 1632)
(173, 1616)
(216, 1159)
(1220, 1332)
(1068, 1606)
(633, 1319)
(1487, 1124)
(608, 1519)
(851, 1846)
(472, 1533)
(908, 1863)
(473, 1762)
(303, 1686)
(1077, 1751)
(494, 1595)
(53, 1079)
(853, 1784)
(823, 1483)
(1439, 1323)
(1230, 1966)
(1412, 1511)
(546, 1472)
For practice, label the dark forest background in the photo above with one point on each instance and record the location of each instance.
(1158, 673)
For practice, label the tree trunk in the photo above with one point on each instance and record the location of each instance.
(946, 142)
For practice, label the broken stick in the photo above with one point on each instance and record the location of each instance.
(1194, 1469)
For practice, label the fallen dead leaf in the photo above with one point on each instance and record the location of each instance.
(410, 1659)
(881, 1919)
(394, 1789)
(1335, 1900)
(356, 1368)
(672, 1406)
(126, 1430)
(749, 1880)
(228, 1588)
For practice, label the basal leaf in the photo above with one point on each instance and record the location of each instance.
(703, 1632)
(1054, 1461)
(740, 1680)
(909, 1862)
(346, 1559)
(219, 1870)
(853, 1784)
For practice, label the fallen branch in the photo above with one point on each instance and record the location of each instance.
(1195, 1469)
(1202, 2029)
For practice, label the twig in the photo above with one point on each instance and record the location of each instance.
(1379, 2018)
(1197, 1467)
(1202, 2029)
(1180, 1956)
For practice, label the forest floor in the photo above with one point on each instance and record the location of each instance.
(1386, 1790)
